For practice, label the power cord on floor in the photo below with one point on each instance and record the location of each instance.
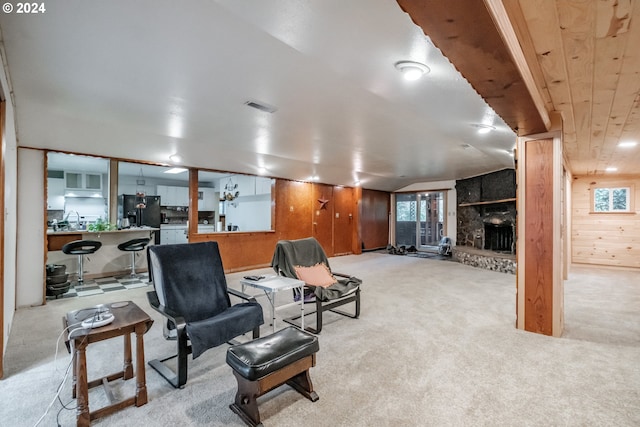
(69, 365)
(64, 379)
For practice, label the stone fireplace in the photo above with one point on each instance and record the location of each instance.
(499, 232)
(486, 216)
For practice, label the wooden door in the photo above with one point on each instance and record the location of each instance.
(293, 209)
(322, 216)
(343, 220)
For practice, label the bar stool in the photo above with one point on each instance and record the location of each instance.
(81, 248)
(133, 246)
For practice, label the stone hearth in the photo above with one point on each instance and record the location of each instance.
(489, 260)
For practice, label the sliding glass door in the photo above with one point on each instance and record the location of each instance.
(420, 219)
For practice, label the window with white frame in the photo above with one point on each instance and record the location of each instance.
(611, 199)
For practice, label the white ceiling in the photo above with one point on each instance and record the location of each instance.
(146, 79)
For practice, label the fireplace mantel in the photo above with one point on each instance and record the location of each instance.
(490, 202)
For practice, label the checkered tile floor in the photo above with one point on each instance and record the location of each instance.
(105, 284)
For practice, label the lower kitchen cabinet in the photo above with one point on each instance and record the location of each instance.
(172, 234)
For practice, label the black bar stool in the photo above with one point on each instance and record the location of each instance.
(133, 246)
(81, 248)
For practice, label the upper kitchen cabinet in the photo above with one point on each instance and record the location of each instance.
(207, 199)
(171, 195)
(245, 185)
(76, 186)
(82, 180)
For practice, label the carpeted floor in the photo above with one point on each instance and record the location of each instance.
(416, 254)
(435, 346)
(429, 255)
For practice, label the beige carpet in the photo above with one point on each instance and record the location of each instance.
(435, 346)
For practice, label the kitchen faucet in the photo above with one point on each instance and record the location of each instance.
(66, 218)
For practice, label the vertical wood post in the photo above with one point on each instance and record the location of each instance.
(539, 305)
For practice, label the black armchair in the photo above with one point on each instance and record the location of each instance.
(191, 292)
(304, 259)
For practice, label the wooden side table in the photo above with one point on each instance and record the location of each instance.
(128, 318)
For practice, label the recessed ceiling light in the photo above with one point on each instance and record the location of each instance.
(175, 158)
(176, 170)
(627, 144)
(611, 169)
(412, 70)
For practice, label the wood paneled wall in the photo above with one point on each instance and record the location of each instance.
(604, 238)
(331, 214)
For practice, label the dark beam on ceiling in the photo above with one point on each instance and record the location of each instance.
(465, 33)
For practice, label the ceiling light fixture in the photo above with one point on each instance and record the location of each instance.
(175, 170)
(627, 144)
(482, 128)
(412, 70)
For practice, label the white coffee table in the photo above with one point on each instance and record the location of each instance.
(271, 285)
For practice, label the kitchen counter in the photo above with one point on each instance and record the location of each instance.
(124, 230)
(108, 260)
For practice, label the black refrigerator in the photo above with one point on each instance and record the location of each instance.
(129, 207)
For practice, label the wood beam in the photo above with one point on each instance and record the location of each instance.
(466, 34)
(503, 23)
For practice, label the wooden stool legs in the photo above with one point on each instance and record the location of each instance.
(296, 375)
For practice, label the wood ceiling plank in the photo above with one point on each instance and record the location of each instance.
(577, 21)
(592, 46)
(524, 37)
(613, 17)
(625, 110)
(610, 102)
(544, 26)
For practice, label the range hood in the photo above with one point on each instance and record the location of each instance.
(83, 193)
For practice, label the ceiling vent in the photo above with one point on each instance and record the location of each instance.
(261, 106)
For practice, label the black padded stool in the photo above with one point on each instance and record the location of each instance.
(133, 246)
(81, 248)
(266, 363)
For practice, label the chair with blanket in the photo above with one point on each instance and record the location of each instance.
(191, 292)
(304, 259)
